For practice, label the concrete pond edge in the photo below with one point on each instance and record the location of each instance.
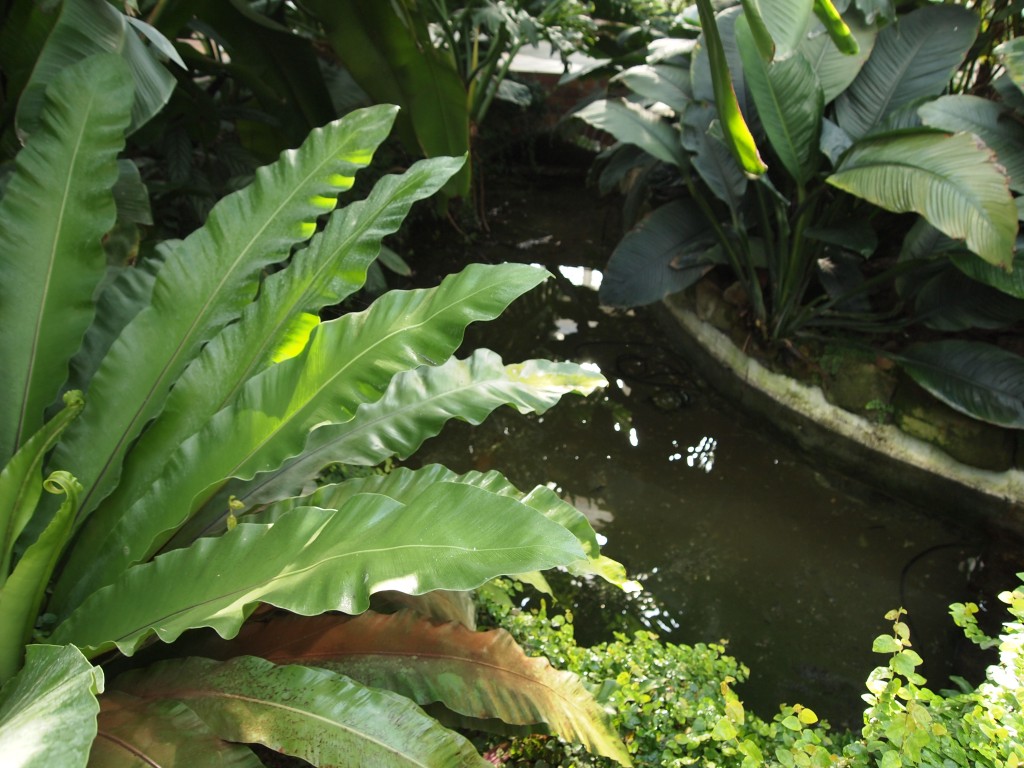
(912, 469)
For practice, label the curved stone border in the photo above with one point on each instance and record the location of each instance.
(888, 458)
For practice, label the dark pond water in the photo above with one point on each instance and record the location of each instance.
(734, 534)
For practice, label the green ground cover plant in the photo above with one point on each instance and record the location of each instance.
(161, 428)
(679, 705)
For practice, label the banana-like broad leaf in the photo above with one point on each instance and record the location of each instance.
(834, 69)
(133, 731)
(991, 122)
(22, 594)
(1009, 282)
(315, 714)
(632, 124)
(312, 560)
(789, 102)
(405, 485)
(785, 20)
(980, 380)
(416, 405)
(204, 284)
(332, 268)
(661, 255)
(55, 209)
(737, 134)
(88, 27)
(666, 83)
(712, 159)
(912, 59)
(21, 481)
(479, 674)
(953, 181)
(349, 362)
(1011, 56)
(48, 710)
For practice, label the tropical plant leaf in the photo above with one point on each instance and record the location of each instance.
(1008, 281)
(786, 21)
(311, 560)
(417, 404)
(85, 28)
(661, 255)
(991, 122)
(912, 59)
(789, 102)
(953, 181)
(834, 69)
(21, 481)
(54, 211)
(980, 380)
(133, 731)
(440, 605)
(737, 135)
(404, 485)
(204, 284)
(315, 714)
(839, 32)
(712, 159)
(478, 674)
(666, 83)
(48, 710)
(22, 594)
(951, 301)
(331, 269)
(632, 124)
(348, 362)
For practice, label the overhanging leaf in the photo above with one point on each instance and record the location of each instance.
(348, 362)
(980, 380)
(478, 674)
(954, 182)
(161, 733)
(48, 710)
(322, 717)
(312, 560)
(54, 211)
(666, 83)
(632, 124)
(661, 255)
(912, 59)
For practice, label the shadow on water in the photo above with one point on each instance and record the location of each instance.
(735, 535)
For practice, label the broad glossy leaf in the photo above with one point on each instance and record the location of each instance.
(48, 710)
(315, 714)
(632, 124)
(912, 59)
(834, 69)
(666, 83)
(1009, 282)
(21, 481)
(349, 362)
(980, 380)
(712, 159)
(54, 211)
(21, 596)
(789, 102)
(954, 182)
(991, 122)
(326, 273)
(661, 255)
(405, 485)
(786, 20)
(133, 731)
(737, 134)
(479, 674)
(312, 560)
(951, 301)
(417, 404)
(204, 284)
(85, 28)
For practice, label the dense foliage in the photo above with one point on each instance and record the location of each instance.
(679, 705)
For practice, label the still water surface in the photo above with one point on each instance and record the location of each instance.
(734, 534)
